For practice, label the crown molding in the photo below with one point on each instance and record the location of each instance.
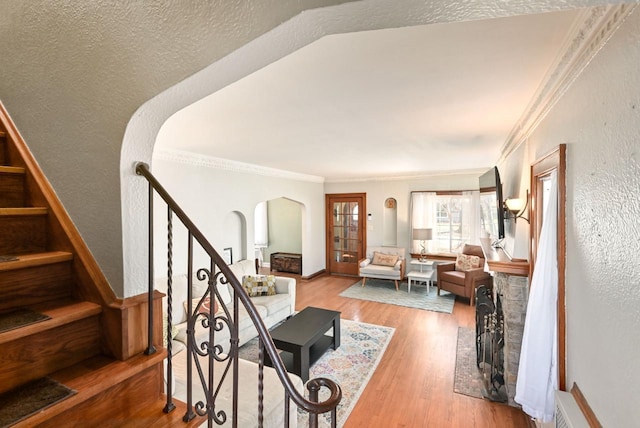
(195, 159)
(408, 177)
(592, 29)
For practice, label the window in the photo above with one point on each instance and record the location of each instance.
(454, 218)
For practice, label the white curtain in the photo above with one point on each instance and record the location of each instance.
(538, 370)
(447, 237)
(471, 216)
(423, 209)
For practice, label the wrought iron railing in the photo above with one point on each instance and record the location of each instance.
(218, 273)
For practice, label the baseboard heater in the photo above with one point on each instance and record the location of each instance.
(568, 413)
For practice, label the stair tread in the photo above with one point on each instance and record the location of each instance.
(153, 415)
(60, 313)
(11, 169)
(23, 211)
(36, 259)
(90, 378)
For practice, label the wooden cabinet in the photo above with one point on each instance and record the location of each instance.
(286, 262)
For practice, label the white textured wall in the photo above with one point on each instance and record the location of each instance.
(208, 195)
(599, 120)
(379, 190)
(515, 183)
(72, 75)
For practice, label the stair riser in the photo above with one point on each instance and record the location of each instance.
(116, 406)
(38, 355)
(23, 234)
(26, 287)
(11, 190)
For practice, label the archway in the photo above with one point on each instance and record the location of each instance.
(295, 33)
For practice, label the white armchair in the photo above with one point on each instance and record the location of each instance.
(383, 263)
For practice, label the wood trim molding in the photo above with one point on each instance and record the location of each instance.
(336, 267)
(314, 275)
(438, 257)
(499, 261)
(588, 413)
(127, 322)
(556, 160)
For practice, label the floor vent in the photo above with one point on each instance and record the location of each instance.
(568, 414)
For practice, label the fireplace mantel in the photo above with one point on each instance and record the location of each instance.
(499, 261)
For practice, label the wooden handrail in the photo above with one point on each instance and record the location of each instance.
(331, 403)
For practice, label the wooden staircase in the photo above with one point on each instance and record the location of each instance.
(93, 342)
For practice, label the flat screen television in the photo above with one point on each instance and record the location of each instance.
(491, 212)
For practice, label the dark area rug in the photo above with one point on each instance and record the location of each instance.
(467, 378)
(19, 318)
(30, 398)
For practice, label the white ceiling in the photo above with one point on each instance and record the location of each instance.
(386, 103)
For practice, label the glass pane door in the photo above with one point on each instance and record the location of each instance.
(344, 227)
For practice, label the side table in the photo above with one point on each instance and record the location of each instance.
(423, 266)
(417, 276)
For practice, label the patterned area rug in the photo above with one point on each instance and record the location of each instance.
(468, 378)
(351, 365)
(378, 290)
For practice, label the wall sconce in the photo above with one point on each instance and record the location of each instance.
(515, 208)
(422, 235)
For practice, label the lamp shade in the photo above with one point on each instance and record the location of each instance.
(514, 205)
(422, 234)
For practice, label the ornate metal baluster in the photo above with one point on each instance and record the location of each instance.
(170, 405)
(217, 323)
(261, 383)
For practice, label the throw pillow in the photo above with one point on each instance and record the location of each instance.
(382, 259)
(205, 307)
(466, 262)
(174, 331)
(259, 285)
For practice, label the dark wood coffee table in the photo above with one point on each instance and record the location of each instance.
(302, 339)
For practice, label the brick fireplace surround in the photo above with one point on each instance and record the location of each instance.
(514, 292)
(511, 282)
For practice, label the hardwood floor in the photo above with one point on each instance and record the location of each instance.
(413, 385)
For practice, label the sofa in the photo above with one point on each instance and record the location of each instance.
(272, 309)
(383, 263)
(273, 410)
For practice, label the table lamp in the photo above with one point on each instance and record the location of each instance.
(422, 235)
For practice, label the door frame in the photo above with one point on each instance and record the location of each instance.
(329, 226)
(541, 168)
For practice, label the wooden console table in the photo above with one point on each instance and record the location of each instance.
(286, 262)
